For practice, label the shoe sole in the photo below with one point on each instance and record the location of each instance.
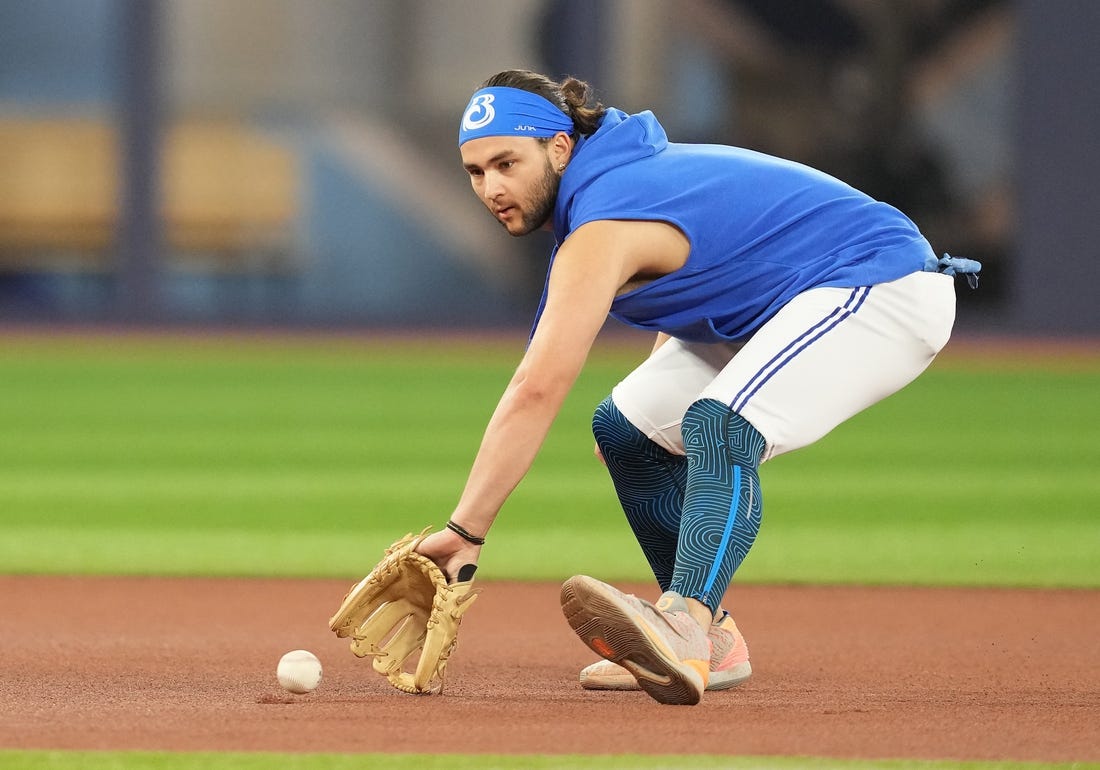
(617, 632)
(718, 680)
(725, 680)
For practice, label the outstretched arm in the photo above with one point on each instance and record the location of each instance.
(590, 267)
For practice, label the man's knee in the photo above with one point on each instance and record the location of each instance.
(710, 426)
(614, 433)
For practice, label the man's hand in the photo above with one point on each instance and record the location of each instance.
(449, 552)
(405, 606)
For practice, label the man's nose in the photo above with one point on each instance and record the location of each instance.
(494, 187)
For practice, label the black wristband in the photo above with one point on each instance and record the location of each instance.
(464, 534)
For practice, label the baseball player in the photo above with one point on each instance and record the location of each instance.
(783, 302)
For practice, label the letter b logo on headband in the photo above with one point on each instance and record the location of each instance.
(511, 112)
(481, 103)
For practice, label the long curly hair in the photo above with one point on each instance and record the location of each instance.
(572, 96)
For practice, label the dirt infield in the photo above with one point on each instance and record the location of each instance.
(172, 664)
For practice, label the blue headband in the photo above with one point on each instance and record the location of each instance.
(511, 112)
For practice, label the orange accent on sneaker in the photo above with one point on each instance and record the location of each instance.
(601, 647)
(701, 666)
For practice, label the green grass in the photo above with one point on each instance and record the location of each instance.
(305, 456)
(300, 456)
(87, 760)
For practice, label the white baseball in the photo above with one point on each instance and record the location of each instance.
(299, 671)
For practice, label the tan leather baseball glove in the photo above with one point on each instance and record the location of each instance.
(403, 606)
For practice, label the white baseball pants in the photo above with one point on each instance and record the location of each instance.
(828, 354)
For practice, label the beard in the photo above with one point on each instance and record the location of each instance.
(544, 195)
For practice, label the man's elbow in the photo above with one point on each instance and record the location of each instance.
(538, 392)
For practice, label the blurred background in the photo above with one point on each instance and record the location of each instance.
(293, 162)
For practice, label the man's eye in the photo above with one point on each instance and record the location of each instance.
(506, 164)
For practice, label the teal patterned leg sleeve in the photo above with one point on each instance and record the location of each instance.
(722, 502)
(649, 482)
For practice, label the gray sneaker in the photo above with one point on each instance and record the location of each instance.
(661, 645)
(729, 663)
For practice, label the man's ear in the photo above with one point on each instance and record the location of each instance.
(561, 148)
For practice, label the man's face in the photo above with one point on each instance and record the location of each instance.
(513, 177)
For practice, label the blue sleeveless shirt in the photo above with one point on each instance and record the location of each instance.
(761, 229)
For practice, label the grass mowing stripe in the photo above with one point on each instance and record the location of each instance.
(899, 555)
(298, 553)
